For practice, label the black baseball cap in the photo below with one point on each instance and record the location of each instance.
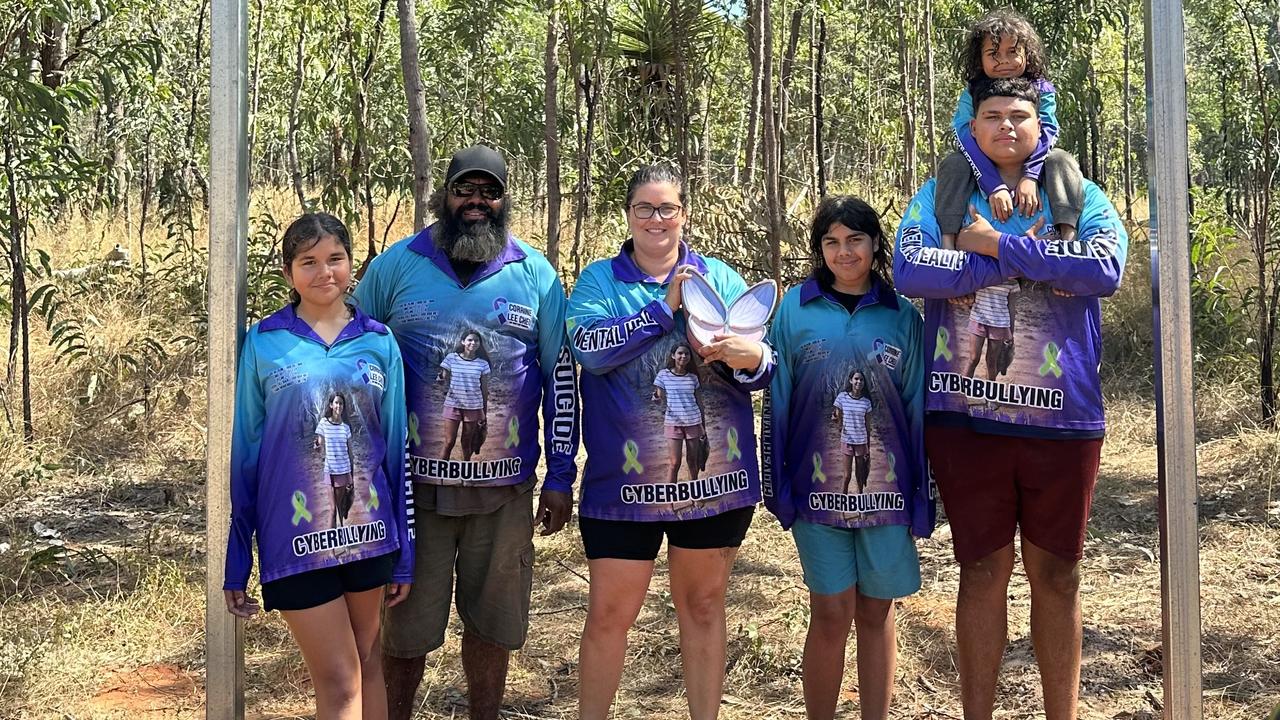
(477, 159)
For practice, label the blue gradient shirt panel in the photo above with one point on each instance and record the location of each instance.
(281, 489)
(808, 466)
(624, 335)
(516, 304)
(1051, 388)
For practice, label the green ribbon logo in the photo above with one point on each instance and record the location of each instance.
(818, 476)
(300, 511)
(942, 349)
(632, 451)
(413, 429)
(1050, 365)
(892, 475)
(373, 498)
(734, 453)
(513, 433)
(915, 212)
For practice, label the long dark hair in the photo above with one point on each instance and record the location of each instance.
(303, 233)
(999, 24)
(691, 366)
(481, 352)
(328, 408)
(856, 215)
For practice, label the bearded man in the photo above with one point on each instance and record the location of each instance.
(479, 316)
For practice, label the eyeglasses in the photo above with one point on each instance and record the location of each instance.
(666, 212)
(466, 190)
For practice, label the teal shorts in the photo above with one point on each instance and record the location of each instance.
(881, 561)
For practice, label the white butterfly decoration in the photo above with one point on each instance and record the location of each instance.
(708, 315)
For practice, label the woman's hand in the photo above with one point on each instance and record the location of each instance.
(674, 295)
(396, 593)
(240, 604)
(735, 351)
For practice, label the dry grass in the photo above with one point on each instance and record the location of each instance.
(109, 624)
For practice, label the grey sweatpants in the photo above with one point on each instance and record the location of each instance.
(1062, 182)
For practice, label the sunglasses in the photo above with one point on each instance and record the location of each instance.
(466, 190)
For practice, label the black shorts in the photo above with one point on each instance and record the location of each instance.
(317, 587)
(635, 540)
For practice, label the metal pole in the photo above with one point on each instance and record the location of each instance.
(1175, 410)
(228, 230)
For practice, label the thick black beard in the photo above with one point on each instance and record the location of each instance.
(479, 241)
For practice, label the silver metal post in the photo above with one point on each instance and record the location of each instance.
(228, 230)
(1175, 410)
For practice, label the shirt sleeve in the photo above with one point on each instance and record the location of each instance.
(923, 268)
(246, 443)
(395, 438)
(603, 341)
(923, 505)
(984, 171)
(560, 408)
(1048, 110)
(775, 481)
(1089, 266)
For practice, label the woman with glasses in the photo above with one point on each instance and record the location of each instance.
(625, 324)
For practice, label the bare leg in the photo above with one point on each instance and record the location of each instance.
(451, 437)
(982, 629)
(485, 665)
(675, 448)
(877, 655)
(699, 579)
(995, 349)
(848, 472)
(864, 471)
(975, 354)
(693, 451)
(830, 617)
(328, 646)
(1055, 628)
(614, 601)
(402, 675)
(468, 439)
(365, 611)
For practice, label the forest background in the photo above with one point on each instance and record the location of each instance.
(766, 105)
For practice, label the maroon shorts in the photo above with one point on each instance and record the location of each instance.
(993, 484)
(462, 414)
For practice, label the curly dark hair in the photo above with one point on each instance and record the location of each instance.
(999, 24)
(854, 214)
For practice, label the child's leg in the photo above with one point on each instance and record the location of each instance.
(864, 471)
(951, 196)
(877, 655)
(365, 610)
(328, 644)
(1064, 184)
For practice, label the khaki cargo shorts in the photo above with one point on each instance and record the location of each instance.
(491, 557)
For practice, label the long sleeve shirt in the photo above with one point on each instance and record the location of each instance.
(819, 344)
(1051, 389)
(281, 491)
(623, 334)
(984, 171)
(516, 304)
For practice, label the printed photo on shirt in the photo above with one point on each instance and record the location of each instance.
(465, 373)
(854, 457)
(335, 448)
(676, 388)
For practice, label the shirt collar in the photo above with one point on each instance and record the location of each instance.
(880, 292)
(286, 318)
(626, 270)
(425, 245)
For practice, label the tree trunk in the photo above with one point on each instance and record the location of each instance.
(930, 100)
(53, 52)
(773, 204)
(19, 330)
(291, 136)
(415, 98)
(784, 93)
(255, 81)
(819, 151)
(1095, 112)
(908, 178)
(589, 83)
(755, 52)
(680, 118)
(360, 156)
(551, 134)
